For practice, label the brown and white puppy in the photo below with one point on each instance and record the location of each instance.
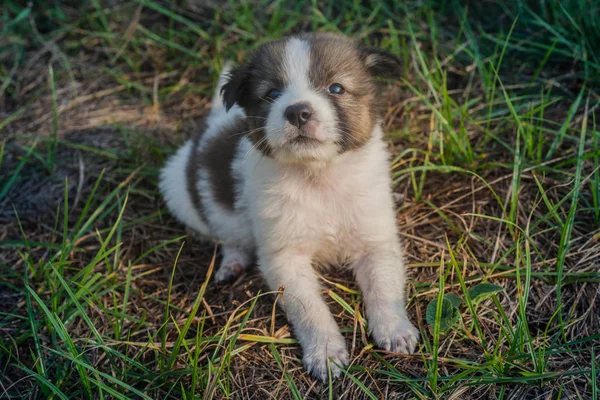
(292, 169)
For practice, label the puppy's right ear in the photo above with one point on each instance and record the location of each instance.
(381, 63)
(237, 88)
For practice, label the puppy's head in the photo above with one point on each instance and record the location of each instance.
(310, 97)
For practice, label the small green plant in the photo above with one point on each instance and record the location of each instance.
(482, 291)
(450, 314)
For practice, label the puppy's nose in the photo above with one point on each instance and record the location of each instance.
(298, 114)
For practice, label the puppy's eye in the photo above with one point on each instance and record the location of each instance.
(273, 94)
(336, 88)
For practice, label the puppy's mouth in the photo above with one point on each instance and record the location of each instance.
(310, 134)
(303, 140)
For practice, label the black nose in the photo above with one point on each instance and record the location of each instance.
(298, 114)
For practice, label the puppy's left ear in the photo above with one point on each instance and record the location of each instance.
(237, 87)
(381, 63)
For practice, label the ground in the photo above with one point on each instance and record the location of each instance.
(495, 141)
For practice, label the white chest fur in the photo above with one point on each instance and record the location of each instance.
(331, 213)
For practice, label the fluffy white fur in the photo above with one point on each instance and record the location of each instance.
(337, 209)
(173, 186)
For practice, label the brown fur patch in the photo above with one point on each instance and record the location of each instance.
(191, 173)
(263, 69)
(216, 156)
(337, 59)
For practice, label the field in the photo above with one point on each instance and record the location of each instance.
(495, 137)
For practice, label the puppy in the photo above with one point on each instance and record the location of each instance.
(292, 169)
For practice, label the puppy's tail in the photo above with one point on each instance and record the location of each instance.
(217, 100)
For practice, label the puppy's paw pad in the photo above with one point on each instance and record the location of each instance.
(326, 357)
(232, 266)
(400, 337)
(228, 272)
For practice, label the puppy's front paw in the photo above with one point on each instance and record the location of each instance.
(398, 336)
(324, 355)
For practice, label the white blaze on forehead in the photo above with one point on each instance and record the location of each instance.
(297, 62)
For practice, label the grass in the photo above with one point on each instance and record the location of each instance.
(493, 128)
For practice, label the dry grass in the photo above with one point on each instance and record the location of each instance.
(102, 295)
